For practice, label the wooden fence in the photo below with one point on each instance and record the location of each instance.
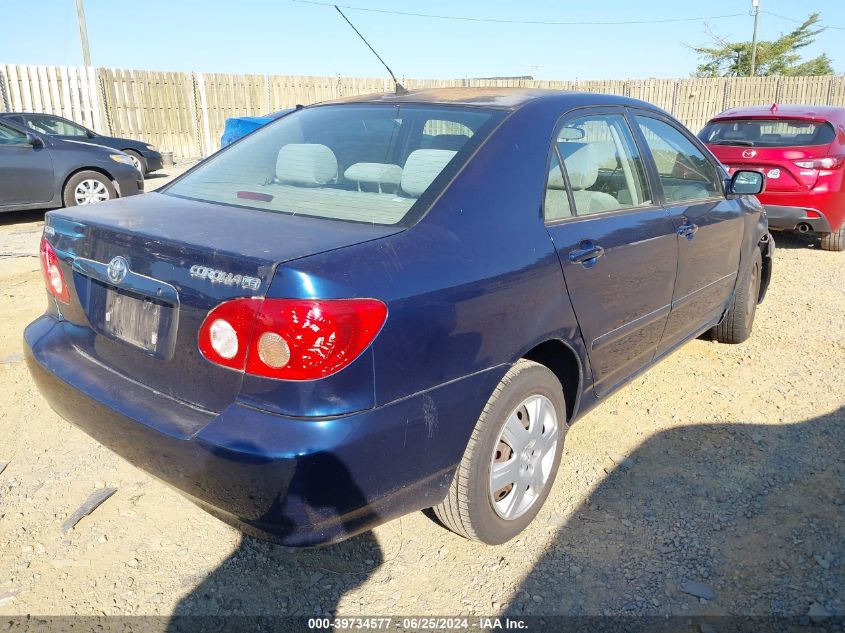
(185, 112)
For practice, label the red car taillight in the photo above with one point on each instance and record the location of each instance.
(53, 276)
(290, 339)
(829, 162)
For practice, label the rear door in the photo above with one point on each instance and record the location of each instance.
(617, 247)
(709, 226)
(26, 172)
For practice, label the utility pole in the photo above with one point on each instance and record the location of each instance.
(83, 33)
(755, 11)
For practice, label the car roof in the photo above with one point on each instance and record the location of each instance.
(499, 98)
(811, 112)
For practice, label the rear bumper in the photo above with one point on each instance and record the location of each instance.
(294, 481)
(792, 218)
(787, 211)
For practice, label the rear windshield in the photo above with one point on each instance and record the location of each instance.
(768, 133)
(380, 164)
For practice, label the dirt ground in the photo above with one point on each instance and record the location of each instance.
(719, 473)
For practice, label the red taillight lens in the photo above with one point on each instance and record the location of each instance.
(829, 162)
(226, 333)
(290, 339)
(53, 276)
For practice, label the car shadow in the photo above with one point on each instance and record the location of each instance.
(22, 217)
(753, 513)
(789, 240)
(263, 580)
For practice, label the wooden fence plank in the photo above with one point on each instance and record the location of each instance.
(185, 113)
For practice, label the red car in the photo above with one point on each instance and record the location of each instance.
(801, 150)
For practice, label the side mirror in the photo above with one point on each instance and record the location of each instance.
(33, 140)
(747, 183)
(90, 134)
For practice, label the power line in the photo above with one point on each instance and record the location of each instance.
(783, 17)
(465, 18)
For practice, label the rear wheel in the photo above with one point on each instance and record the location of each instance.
(137, 160)
(737, 324)
(511, 460)
(833, 241)
(88, 187)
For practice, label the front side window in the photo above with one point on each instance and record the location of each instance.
(601, 160)
(10, 136)
(768, 133)
(55, 126)
(361, 163)
(685, 172)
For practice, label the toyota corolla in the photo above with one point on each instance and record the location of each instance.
(394, 302)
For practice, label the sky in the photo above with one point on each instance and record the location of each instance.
(296, 38)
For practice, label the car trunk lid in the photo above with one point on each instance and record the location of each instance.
(779, 164)
(773, 145)
(147, 270)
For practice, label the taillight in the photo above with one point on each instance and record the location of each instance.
(828, 162)
(53, 276)
(290, 339)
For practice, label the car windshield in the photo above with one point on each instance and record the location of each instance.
(379, 163)
(768, 133)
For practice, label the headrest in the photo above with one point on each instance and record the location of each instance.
(449, 141)
(555, 178)
(582, 167)
(752, 131)
(422, 167)
(306, 164)
(376, 173)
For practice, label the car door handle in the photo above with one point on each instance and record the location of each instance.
(687, 230)
(587, 253)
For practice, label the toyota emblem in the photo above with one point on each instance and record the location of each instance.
(749, 153)
(117, 269)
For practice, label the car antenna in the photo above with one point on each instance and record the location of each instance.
(399, 88)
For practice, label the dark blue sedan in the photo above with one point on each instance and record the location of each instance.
(394, 302)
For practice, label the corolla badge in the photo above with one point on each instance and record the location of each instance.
(749, 153)
(226, 278)
(117, 269)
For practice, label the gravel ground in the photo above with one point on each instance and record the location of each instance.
(715, 484)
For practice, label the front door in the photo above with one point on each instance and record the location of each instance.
(710, 228)
(26, 172)
(617, 247)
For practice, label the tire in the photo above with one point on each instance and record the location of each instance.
(833, 241)
(138, 160)
(736, 326)
(469, 508)
(105, 189)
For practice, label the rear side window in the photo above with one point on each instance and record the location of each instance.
(379, 163)
(603, 167)
(685, 172)
(556, 206)
(768, 133)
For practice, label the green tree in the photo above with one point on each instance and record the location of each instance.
(774, 57)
